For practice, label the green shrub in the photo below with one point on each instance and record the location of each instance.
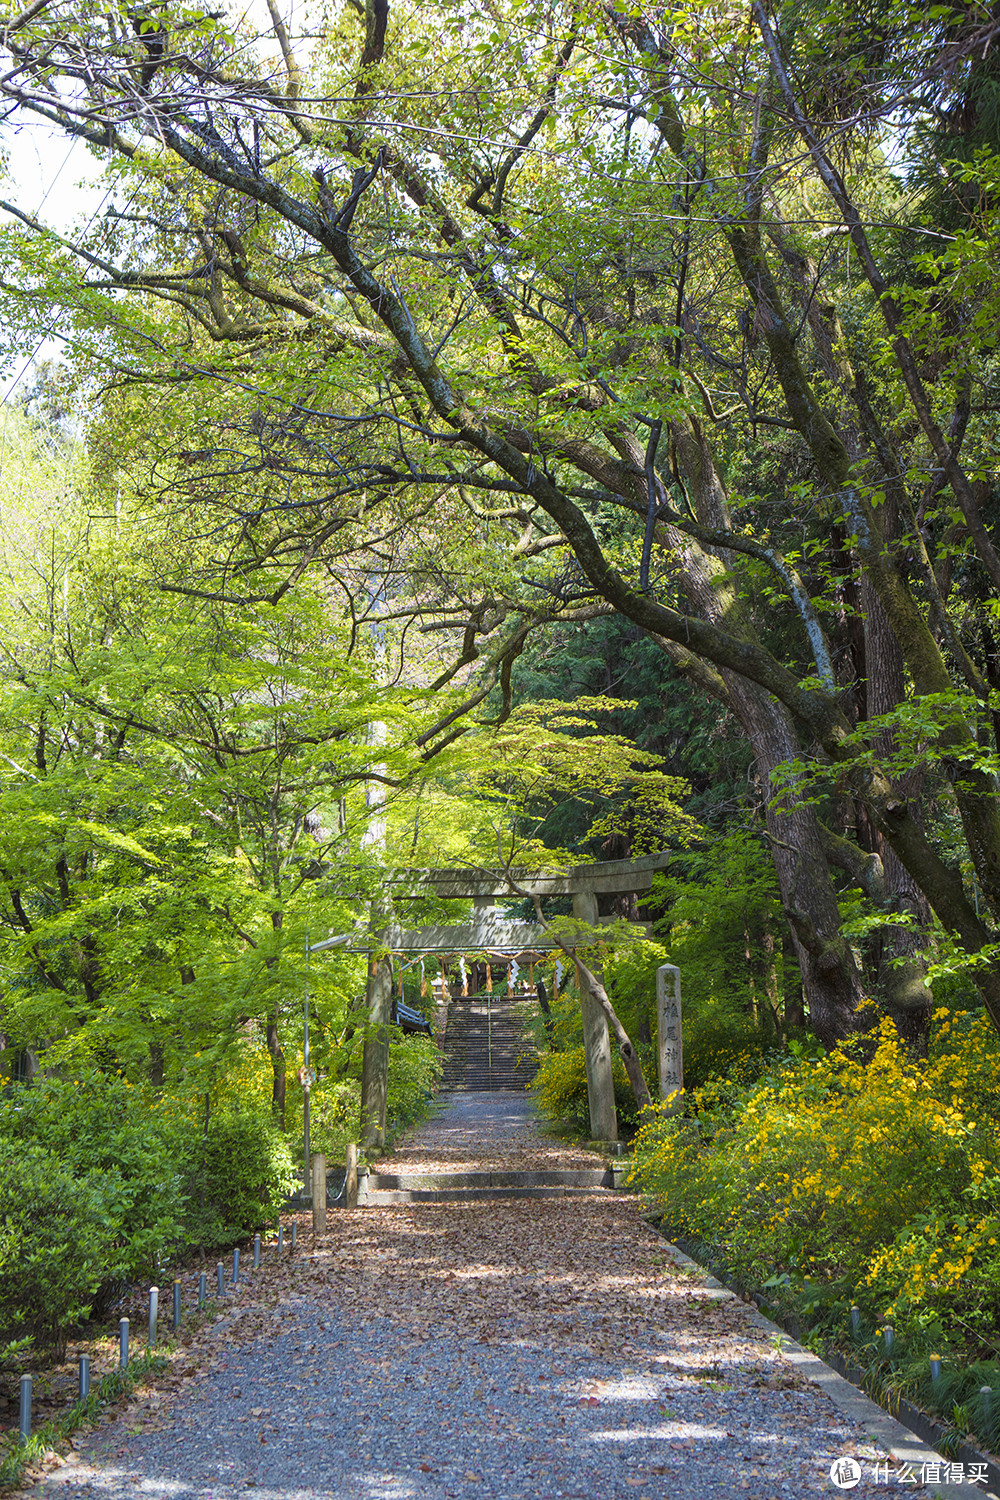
(560, 1088)
(722, 1041)
(334, 1114)
(98, 1128)
(724, 912)
(414, 1072)
(59, 1234)
(866, 1176)
(239, 1176)
(630, 977)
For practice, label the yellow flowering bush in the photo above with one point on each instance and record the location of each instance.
(864, 1175)
(560, 1088)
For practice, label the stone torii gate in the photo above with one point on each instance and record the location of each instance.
(488, 931)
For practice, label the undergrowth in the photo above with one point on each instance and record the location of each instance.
(866, 1178)
(115, 1386)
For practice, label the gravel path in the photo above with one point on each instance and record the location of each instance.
(495, 1131)
(523, 1350)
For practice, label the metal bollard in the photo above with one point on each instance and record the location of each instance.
(25, 1422)
(177, 1306)
(256, 1251)
(154, 1309)
(220, 1276)
(889, 1335)
(236, 1265)
(281, 1238)
(986, 1392)
(856, 1321)
(123, 1343)
(84, 1376)
(295, 1230)
(935, 1367)
(202, 1288)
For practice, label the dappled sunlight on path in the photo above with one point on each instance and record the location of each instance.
(516, 1349)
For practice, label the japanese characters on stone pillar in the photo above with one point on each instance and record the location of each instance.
(670, 1043)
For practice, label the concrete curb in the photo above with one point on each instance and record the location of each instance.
(898, 1440)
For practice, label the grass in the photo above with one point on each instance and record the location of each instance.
(116, 1386)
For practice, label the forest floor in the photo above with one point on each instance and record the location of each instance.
(520, 1349)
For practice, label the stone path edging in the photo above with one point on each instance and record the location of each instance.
(896, 1437)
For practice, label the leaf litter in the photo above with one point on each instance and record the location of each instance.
(517, 1348)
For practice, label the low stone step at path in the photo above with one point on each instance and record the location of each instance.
(595, 1177)
(387, 1196)
(382, 1188)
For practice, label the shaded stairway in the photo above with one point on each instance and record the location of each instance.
(482, 1046)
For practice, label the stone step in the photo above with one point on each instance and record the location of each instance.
(476, 1062)
(499, 1083)
(388, 1188)
(386, 1197)
(581, 1177)
(483, 1048)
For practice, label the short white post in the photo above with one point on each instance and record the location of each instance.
(24, 1425)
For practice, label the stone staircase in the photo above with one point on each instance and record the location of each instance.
(382, 1189)
(482, 1046)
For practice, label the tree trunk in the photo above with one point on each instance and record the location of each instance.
(374, 1064)
(901, 967)
(156, 1064)
(633, 1067)
(831, 982)
(795, 1011)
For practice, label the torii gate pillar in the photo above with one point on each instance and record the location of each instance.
(375, 1060)
(596, 1042)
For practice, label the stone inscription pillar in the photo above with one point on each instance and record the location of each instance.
(669, 1036)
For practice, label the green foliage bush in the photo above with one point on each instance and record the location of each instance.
(560, 1088)
(721, 1041)
(723, 905)
(58, 1233)
(100, 1185)
(239, 1176)
(630, 978)
(414, 1072)
(99, 1129)
(335, 1109)
(415, 1067)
